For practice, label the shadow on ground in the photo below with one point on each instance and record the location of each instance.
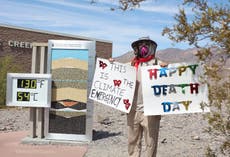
(97, 135)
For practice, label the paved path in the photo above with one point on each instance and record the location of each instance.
(10, 146)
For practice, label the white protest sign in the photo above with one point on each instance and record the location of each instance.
(113, 84)
(173, 90)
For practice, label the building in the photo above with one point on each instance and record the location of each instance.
(17, 42)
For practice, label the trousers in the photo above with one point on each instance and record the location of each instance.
(139, 125)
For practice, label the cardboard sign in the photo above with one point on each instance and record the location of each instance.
(173, 90)
(113, 84)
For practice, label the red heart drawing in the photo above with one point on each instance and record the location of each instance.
(117, 82)
(102, 64)
(127, 104)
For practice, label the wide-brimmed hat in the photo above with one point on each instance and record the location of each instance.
(135, 43)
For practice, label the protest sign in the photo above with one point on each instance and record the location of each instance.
(173, 90)
(113, 84)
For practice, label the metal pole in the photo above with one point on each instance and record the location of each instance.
(33, 115)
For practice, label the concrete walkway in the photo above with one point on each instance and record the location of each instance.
(10, 146)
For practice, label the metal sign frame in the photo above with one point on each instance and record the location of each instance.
(77, 45)
(33, 90)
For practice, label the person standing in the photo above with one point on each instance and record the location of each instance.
(140, 125)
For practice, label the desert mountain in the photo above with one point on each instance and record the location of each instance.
(174, 55)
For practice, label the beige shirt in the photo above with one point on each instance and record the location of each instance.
(138, 97)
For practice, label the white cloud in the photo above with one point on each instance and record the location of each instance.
(120, 27)
(87, 6)
(35, 14)
(160, 9)
(149, 6)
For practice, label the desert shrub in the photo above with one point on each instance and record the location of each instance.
(6, 65)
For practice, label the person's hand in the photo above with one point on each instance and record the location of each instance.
(111, 60)
(164, 64)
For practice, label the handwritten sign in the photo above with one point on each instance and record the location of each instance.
(173, 90)
(113, 84)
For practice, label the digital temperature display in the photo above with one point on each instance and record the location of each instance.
(27, 83)
(28, 89)
(23, 96)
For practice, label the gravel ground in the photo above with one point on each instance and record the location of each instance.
(180, 135)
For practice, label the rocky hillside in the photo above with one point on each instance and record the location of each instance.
(174, 55)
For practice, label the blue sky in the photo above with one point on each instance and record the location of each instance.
(79, 17)
(69, 53)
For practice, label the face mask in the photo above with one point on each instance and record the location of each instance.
(143, 50)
